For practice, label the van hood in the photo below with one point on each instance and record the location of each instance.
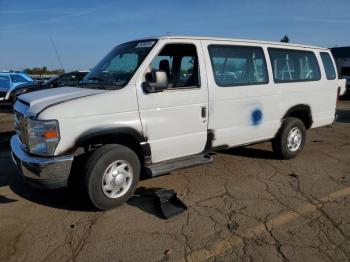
(40, 100)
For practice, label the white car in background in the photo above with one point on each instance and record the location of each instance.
(342, 86)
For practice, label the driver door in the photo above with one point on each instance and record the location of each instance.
(175, 120)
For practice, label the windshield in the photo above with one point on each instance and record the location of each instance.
(117, 68)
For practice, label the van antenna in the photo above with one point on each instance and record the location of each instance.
(56, 52)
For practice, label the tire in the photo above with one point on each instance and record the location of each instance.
(102, 184)
(280, 145)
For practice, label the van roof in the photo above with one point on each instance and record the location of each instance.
(233, 40)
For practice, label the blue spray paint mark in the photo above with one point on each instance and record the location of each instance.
(256, 116)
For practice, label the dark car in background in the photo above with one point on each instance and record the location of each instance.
(67, 79)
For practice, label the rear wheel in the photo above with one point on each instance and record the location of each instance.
(112, 174)
(290, 139)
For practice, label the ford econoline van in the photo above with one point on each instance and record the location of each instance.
(154, 105)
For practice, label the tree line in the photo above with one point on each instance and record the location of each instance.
(43, 71)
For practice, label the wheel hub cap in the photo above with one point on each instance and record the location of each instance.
(117, 179)
(294, 139)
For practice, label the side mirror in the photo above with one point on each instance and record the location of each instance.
(160, 83)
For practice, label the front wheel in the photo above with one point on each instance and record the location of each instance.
(112, 174)
(290, 139)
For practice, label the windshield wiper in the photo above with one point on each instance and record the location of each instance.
(99, 79)
(98, 85)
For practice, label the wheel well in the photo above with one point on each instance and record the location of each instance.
(87, 144)
(302, 112)
(122, 139)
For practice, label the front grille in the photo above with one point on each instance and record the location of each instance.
(21, 127)
(2, 93)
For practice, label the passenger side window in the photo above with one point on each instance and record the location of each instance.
(186, 69)
(294, 65)
(18, 79)
(4, 82)
(238, 65)
(180, 63)
(328, 65)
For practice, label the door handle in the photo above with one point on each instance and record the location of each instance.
(204, 111)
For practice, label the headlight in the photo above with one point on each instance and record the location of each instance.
(43, 136)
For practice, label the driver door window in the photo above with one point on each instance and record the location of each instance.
(180, 63)
(187, 72)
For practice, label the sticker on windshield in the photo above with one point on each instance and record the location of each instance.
(145, 44)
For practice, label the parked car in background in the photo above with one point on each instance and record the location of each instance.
(9, 81)
(344, 86)
(67, 79)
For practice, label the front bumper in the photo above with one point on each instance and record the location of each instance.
(43, 172)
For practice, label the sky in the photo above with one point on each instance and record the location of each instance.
(83, 31)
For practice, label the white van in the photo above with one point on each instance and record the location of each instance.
(155, 105)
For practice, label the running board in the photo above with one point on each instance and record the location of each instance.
(165, 167)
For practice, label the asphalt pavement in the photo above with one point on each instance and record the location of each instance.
(245, 206)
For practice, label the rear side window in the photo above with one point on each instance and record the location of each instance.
(294, 65)
(328, 65)
(238, 65)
